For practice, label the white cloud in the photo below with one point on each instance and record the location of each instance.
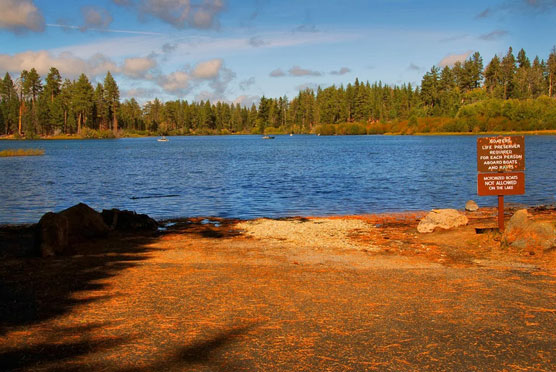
(208, 69)
(211, 71)
(451, 59)
(137, 67)
(66, 63)
(20, 15)
(71, 66)
(176, 82)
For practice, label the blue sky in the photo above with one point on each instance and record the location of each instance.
(237, 51)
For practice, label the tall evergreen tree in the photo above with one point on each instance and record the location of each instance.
(82, 100)
(538, 82)
(429, 89)
(112, 98)
(507, 69)
(65, 102)
(53, 83)
(101, 110)
(551, 72)
(493, 76)
(9, 104)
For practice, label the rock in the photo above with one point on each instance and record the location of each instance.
(441, 218)
(56, 233)
(471, 206)
(52, 235)
(128, 220)
(527, 235)
(84, 223)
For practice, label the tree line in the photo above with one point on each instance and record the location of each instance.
(509, 93)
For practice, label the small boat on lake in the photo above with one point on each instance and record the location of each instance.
(163, 139)
(268, 137)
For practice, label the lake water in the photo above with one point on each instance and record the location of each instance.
(247, 177)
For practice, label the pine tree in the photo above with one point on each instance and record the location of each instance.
(112, 98)
(82, 100)
(551, 72)
(101, 110)
(429, 88)
(9, 104)
(53, 83)
(493, 76)
(523, 76)
(538, 82)
(474, 69)
(507, 69)
(31, 86)
(65, 98)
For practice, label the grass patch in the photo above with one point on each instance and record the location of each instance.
(21, 152)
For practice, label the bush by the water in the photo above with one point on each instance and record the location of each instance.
(21, 152)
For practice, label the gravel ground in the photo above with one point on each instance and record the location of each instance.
(315, 233)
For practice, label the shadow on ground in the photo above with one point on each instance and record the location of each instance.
(209, 353)
(34, 290)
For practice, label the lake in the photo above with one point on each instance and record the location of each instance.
(247, 177)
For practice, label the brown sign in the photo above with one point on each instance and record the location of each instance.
(501, 154)
(501, 184)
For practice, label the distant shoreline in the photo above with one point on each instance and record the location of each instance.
(76, 137)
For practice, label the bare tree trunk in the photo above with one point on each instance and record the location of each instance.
(21, 106)
(115, 118)
(79, 123)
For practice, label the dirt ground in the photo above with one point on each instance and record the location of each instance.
(351, 293)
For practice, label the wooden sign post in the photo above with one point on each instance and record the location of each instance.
(500, 163)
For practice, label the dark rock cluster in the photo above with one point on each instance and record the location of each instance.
(58, 233)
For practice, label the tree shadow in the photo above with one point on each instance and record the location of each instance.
(55, 351)
(206, 353)
(34, 290)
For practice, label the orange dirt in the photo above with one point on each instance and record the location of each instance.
(210, 296)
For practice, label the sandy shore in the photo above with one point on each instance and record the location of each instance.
(352, 293)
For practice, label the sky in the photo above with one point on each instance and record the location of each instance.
(239, 50)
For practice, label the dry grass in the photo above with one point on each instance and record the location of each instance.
(21, 152)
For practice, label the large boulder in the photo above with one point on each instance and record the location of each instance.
(471, 206)
(84, 223)
(56, 233)
(527, 235)
(128, 220)
(443, 219)
(52, 235)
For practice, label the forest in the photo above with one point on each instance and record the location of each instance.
(510, 93)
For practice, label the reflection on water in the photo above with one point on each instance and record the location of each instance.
(246, 177)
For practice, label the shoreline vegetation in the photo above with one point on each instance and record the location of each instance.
(510, 94)
(21, 152)
(125, 134)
